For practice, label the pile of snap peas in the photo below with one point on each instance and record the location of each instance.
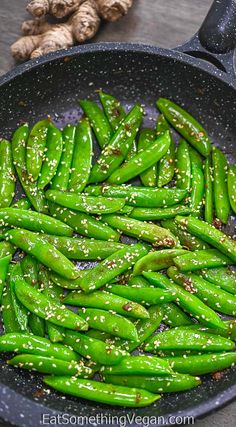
(148, 317)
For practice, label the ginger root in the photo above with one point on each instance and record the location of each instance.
(84, 17)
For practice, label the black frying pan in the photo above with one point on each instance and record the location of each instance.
(53, 85)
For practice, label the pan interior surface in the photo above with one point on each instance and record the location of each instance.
(136, 75)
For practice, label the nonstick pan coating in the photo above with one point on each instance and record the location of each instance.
(53, 85)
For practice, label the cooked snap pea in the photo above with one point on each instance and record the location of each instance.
(223, 277)
(228, 332)
(35, 245)
(221, 197)
(166, 384)
(117, 149)
(106, 301)
(102, 393)
(206, 258)
(149, 232)
(157, 260)
(186, 125)
(146, 139)
(138, 365)
(31, 344)
(202, 364)
(111, 267)
(82, 157)
(148, 296)
(113, 109)
(21, 312)
(94, 349)
(232, 186)
(197, 190)
(114, 324)
(99, 122)
(156, 214)
(60, 180)
(209, 234)
(166, 165)
(54, 147)
(7, 176)
(142, 161)
(6, 248)
(4, 266)
(183, 166)
(35, 196)
(66, 283)
(35, 148)
(10, 321)
(186, 239)
(22, 203)
(208, 207)
(174, 316)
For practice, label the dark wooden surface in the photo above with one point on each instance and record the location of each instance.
(166, 23)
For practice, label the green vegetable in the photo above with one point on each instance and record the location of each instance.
(35, 148)
(221, 197)
(7, 175)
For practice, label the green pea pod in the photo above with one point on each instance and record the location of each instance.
(228, 332)
(47, 365)
(83, 203)
(203, 364)
(157, 214)
(111, 267)
(197, 190)
(117, 149)
(220, 189)
(22, 203)
(35, 245)
(209, 234)
(61, 179)
(155, 384)
(143, 295)
(68, 284)
(10, 322)
(157, 260)
(186, 239)
(142, 161)
(148, 232)
(184, 339)
(82, 157)
(114, 111)
(102, 393)
(214, 297)
(146, 139)
(222, 277)
(6, 248)
(30, 344)
(54, 147)
(100, 335)
(35, 148)
(35, 196)
(174, 316)
(114, 324)
(232, 186)
(106, 301)
(138, 365)
(4, 266)
(21, 312)
(140, 196)
(206, 258)
(47, 309)
(93, 349)
(99, 122)
(187, 301)
(83, 249)
(138, 282)
(186, 125)
(166, 165)
(84, 224)
(183, 166)
(7, 176)
(208, 208)
(34, 221)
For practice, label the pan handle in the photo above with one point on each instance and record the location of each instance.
(216, 39)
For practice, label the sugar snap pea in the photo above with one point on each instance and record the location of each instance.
(138, 365)
(149, 232)
(157, 260)
(82, 157)
(223, 277)
(202, 364)
(113, 109)
(166, 165)
(60, 180)
(232, 186)
(148, 296)
(93, 349)
(99, 122)
(4, 266)
(35, 245)
(106, 301)
(35, 196)
(146, 139)
(228, 332)
(206, 258)
(20, 310)
(66, 283)
(156, 214)
(22, 203)
(197, 189)
(6, 248)
(102, 393)
(186, 239)
(35, 148)
(220, 189)
(166, 384)
(54, 147)
(174, 316)
(7, 176)
(31, 344)
(209, 234)
(117, 149)
(10, 322)
(186, 125)
(183, 166)
(142, 161)
(105, 321)
(208, 207)
(111, 267)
